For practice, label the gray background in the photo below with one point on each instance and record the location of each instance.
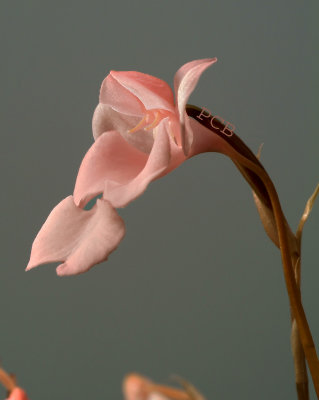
(195, 288)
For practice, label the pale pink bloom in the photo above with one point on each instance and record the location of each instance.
(18, 394)
(140, 135)
(137, 387)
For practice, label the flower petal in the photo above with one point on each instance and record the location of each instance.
(119, 98)
(157, 396)
(17, 394)
(109, 158)
(154, 93)
(185, 80)
(136, 387)
(107, 119)
(205, 140)
(158, 162)
(79, 238)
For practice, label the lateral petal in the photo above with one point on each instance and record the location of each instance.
(18, 394)
(78, 238)
(121, 99)
(154, 93)
(185, 80)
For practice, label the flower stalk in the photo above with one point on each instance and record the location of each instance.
(8, 381)
(301, 376)
(292, 288)
(246, 164)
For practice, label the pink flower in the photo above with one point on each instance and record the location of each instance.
(140, 135)
(17, 394)
(137, 387)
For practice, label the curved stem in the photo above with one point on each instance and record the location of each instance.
(292, 289)
(300, 368)
(7, 380)
(264, 188)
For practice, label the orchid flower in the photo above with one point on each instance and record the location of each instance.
(18, 394)
(141, 134)
(137, 387)
(9, 382)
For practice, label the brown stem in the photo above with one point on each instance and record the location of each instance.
(299, 356)
(292, 288)
(7, 380)
(301, 375)
(262, 185)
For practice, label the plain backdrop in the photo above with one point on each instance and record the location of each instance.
(196, 287)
